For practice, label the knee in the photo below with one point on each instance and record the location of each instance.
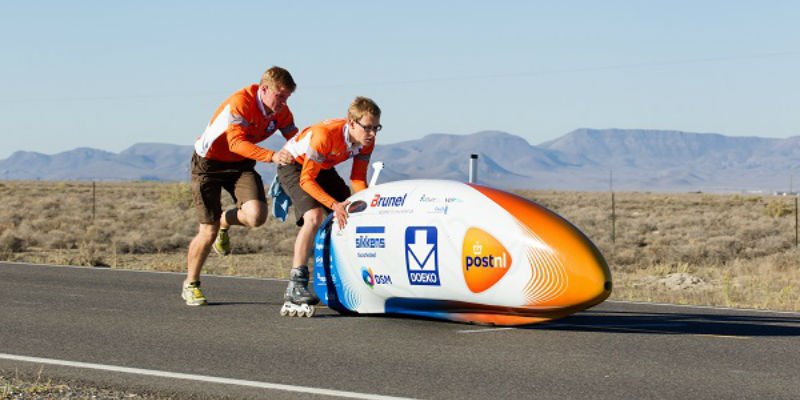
(255, 214)
(313, 218)
(207, 232)
(260, 219)
(256, 218)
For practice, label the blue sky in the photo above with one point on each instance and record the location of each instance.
(110, 74)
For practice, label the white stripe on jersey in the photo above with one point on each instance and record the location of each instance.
(216, 128)
(299, 147)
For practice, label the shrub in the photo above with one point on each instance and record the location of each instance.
(9, 242)
(778, 208)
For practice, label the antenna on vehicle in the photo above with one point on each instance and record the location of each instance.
(473, 168)
(377, 166)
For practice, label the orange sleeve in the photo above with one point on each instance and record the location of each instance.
(319, 146)
(237, 134)
(308, 181)
(358, 175)
(238, 143)
(286, 124)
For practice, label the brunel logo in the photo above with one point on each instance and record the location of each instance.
(388, 201)
(484, 260)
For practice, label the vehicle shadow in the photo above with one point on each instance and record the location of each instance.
(675, 324)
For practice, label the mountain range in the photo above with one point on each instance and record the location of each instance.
(584, 159)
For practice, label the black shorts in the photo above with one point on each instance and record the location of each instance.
(328, 179)
(209, 177)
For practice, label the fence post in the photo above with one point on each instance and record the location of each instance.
(613, 207)
(613, 220)
(93, 200)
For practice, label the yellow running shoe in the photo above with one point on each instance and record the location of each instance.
(193, 295)
(222, 245)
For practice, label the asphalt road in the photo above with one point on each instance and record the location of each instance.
(131, 330)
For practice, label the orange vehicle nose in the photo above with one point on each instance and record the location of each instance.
(568, 270)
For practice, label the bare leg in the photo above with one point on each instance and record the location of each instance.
(312, 219)
(252, 214)
(198, 250)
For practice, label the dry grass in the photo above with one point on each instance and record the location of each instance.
(14, 385)
(693, 248)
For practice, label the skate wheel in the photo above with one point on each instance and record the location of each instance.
(310, 312)
(284, 311)
(292, 312)
(304, 311)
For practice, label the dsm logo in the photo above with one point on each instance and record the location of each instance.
(372, 279)
(422, 255)
(484, 260)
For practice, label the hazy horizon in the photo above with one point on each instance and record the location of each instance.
(103, 75)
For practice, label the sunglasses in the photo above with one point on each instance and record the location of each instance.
(376, 128)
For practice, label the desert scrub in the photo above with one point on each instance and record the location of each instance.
(14, 385)
(740, 247)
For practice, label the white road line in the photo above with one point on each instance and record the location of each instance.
(202, 378)
(485, 330)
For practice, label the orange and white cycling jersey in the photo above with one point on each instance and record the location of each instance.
(322, 146)
(238, 124)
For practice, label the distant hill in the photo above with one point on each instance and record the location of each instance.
(643, 160)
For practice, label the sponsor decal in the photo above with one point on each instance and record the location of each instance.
(320, 277)
(384, 211)
(370, 237)
(484, 260)
(422, 255)
(357, 206)
(372, 279)
(438, 210)
(388, 201)
(449, 200)
(427, 199)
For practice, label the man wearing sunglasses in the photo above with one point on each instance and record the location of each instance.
(314, 186)
(224, 158)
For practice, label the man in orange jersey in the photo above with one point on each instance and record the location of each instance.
(314, 186)
(225, 157)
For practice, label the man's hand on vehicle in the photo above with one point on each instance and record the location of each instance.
(340, 213)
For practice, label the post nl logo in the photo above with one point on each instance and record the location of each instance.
(484, 260)
(422, 255)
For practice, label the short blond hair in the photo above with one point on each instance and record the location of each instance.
(277, 78)
(361, 106)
